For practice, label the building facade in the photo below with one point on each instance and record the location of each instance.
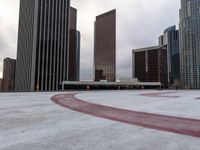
(42, 52)
(78, 55)
(74, 48)
(170, 38)
(8, 75)
(150, 65)
(105, 47)
(73, 18)
(1, 80)
(189, 27)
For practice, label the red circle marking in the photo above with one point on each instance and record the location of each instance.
(160, 94)
(177, 125)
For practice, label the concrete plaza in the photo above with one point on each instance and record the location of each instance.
(33, 121)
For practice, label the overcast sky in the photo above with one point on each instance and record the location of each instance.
(139, 23)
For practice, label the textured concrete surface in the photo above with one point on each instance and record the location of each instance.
(185, 126)
(31, 121)
(172, 103)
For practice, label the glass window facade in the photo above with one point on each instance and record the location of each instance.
(105, 47)
(189, 27)
(42, 53)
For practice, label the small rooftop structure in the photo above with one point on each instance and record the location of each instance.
(128, 80)
(122, 84)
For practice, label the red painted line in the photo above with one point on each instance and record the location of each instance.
(177, 125)
(161, 94)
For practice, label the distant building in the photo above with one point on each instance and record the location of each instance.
(1, 80)
(105, 47)
(73, 18)
(170, 38)
(74, 48)
(8, 74)
(42, 52)
(90, 85)
(150, 65)
(189, 27)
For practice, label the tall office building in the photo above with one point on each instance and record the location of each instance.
(105, 47)
(150, 64)
(189, 27)
(1, 81)
(42, 52)
(9, 66)
(73, 18)
(170, 38)
(74, 48)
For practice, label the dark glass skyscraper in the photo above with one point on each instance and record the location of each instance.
(73, 18)
(74, 47)
(9, 66)
(170, 38)
(105, 47)
(1, 81)
(42, 53)
(150, 64)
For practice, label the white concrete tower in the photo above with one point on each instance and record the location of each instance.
(189, 27)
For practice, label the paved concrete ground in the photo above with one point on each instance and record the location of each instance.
(179, 125)
(31, 121)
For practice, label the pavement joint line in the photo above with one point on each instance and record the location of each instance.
(178, 125)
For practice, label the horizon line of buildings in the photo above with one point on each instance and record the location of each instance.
(179, 50)
(160, 63)
(49, 49)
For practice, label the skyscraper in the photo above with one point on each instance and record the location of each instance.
(1, 81)
(42, 52)
(74, 47)
(150, 64)
(189, 27)
(105, 47)
(170, 38)
(73, 18)
(8, 74)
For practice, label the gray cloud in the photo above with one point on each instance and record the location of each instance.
(139, 23)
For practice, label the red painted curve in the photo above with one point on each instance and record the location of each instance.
(177, 125)
(160, 94)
